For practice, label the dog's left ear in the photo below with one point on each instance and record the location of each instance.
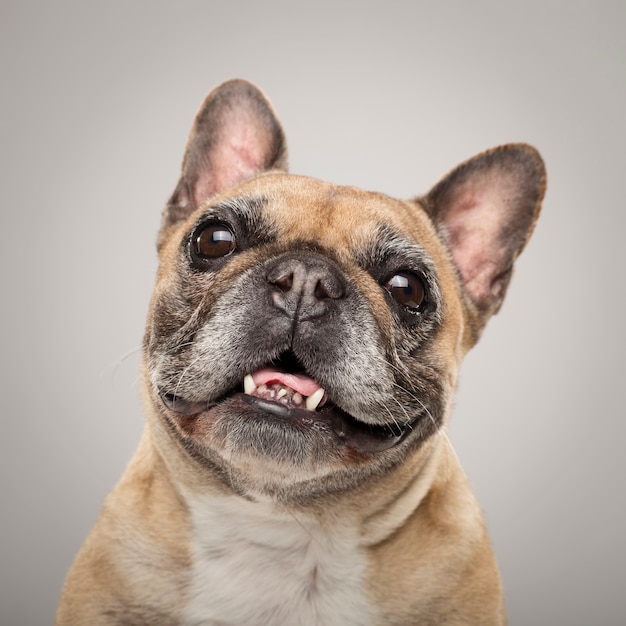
(236, 134)
(486, 210)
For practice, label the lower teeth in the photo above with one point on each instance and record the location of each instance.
(285, 395)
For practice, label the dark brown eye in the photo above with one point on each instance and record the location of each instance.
(214, 241)
(407, 289)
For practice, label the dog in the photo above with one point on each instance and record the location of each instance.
(300, 358)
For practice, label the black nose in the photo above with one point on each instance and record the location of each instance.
(305, 286)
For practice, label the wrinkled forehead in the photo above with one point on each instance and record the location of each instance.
(299, 209)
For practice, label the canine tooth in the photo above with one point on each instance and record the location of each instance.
(313, 401)
(248, 385)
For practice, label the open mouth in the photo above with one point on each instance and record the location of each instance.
(283, 391)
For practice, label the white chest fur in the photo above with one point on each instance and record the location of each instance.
(254, 567)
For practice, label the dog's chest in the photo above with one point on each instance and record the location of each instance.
(253, 567)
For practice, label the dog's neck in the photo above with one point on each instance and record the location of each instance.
(254, 565)
(294, 565)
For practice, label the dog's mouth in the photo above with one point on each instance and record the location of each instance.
(283, 392)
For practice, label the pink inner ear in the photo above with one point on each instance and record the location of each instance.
(474, 224)
(240, 152)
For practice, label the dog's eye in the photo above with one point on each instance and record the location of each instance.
(214, 241)
(407, 289)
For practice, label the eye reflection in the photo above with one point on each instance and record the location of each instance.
(215, 241)
(407, 289)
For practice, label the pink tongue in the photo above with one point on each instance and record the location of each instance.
(298, 382)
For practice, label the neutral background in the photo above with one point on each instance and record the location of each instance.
(97, 100)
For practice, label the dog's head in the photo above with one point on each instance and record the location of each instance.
(304, 336)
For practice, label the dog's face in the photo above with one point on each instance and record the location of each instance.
(304, 336)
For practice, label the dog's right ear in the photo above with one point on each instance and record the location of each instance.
(236, 135)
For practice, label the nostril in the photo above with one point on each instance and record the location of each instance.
(284, 281)
(328, 288)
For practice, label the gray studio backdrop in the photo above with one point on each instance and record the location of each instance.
(97, 100)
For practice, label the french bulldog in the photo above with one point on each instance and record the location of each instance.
(300, 359)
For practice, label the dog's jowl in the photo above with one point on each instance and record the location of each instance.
(300, 358)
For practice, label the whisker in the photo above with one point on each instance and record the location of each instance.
(411, 392)
(114, 366)
(184, 372)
